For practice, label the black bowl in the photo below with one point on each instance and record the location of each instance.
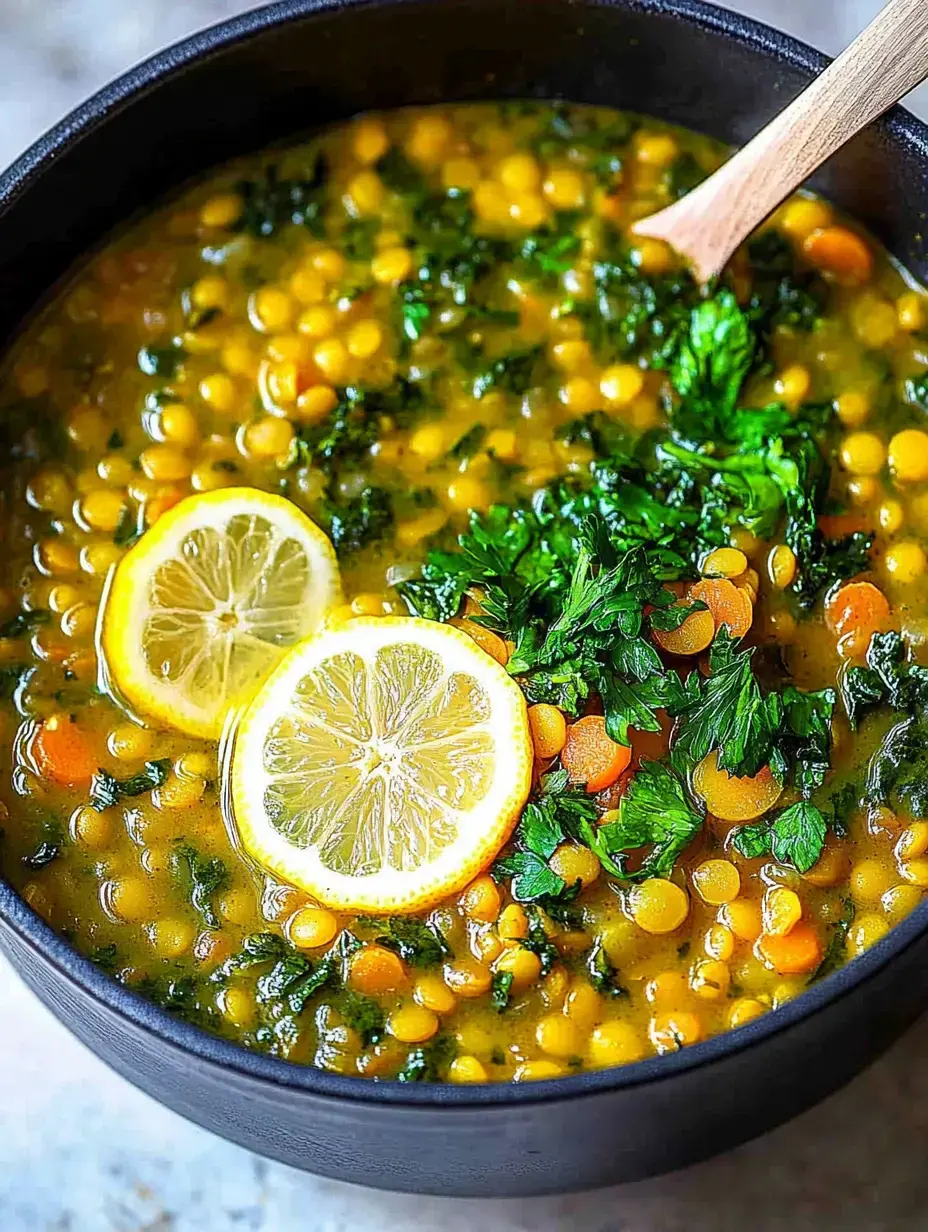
(298, 65)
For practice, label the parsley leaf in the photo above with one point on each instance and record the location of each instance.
(727, 711)
(796, 837)
(655, 817)
(532, 879)
(712, 362)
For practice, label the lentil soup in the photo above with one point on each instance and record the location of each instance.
(688, 524)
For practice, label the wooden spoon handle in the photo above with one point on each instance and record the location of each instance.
(884, 62)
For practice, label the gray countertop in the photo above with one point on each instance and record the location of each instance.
(82, 1151)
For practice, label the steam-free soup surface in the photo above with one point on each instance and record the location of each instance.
(433, 333)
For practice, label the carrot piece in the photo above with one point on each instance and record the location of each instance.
(63, 753)
(732, 798)
(729, 605)
(837, 525)
(694, 635)
(591, 756)
(488, 641)
(797, 952)
(857, 606)
(840, 252)
(548, 728)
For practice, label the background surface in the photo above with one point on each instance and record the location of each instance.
(81, 1151)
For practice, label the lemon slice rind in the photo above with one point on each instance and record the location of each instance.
(472, 810)
(273, 578)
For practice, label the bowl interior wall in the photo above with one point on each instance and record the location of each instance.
(317, 69)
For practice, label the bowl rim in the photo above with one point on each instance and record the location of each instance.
(902, 129)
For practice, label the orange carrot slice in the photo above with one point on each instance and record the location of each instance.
(840, 252)
(729, 605)
(798, 952)
(694, 635)
(63, 753)
(734, 798)
(591, 756)
(857, 607)
(837, 525)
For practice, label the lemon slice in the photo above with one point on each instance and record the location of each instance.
(201, 609)
(382, 766)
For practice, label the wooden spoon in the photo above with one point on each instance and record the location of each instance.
(883, 63)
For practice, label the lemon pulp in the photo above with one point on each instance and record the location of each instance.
(382, 765)
(203, 607)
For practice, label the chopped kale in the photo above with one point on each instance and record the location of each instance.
(49, 847)
(163, 361)
(887, 679)
(205, 877)
(363, 519)
(363, 1014)
(501, 991)
(400, 175)
(24, 623)
(469, 444)
(782, 294)
(181, 996)
(538, 941)
(128, 529)
(836, 951)
(343, 438)
(635, 315)
(14, 678)
(358, 238)
(430, 1062)
(414, 311)
(515, 372)
(294, 979)
(683, 174)
(598, 141)
(256, 948)
(604, 975)
(417, 942)
(270, 203)
(106, 957)
(106, 790)
(545, 255)
(898, 771)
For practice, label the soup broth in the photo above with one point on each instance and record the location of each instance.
(689, 523)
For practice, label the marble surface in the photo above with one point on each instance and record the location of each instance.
(82, 1151)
